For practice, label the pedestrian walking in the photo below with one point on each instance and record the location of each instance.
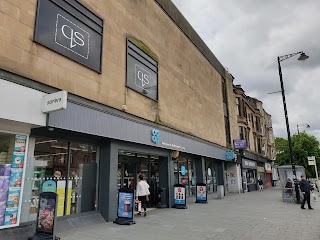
(260, 183)
(143, 193)
(305, 189)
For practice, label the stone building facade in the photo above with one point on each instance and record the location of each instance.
(255, 126)
(145, 95)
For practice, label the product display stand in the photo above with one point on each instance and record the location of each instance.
(46, 211)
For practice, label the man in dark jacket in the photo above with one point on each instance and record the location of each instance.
(305, 189)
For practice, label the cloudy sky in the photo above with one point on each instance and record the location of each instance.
(247, 36)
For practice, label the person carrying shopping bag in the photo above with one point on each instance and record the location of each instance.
(143, 193)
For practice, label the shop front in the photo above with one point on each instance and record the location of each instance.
(268, 174)
(132, 164)
(20, 111)
(261, 173)
(249, 175)
(211, 175)
(185, 173)
(133, 146)
(68, 166)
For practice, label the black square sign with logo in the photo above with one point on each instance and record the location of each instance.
(69, 28)
(142, 72)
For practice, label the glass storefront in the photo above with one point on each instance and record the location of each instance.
(68, 168)
(251, 176)
(131, 165)
(211, 176)
(184, 171)
(12, 167)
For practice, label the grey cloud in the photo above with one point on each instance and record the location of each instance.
(247, 36)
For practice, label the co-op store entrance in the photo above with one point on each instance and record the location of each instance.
(131, 165)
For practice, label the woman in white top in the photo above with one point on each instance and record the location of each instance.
(142, 193)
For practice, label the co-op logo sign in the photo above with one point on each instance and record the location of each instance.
(72, 37)
(155, 135)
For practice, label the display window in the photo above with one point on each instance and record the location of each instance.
(211, 176)
(12, 168)
(184, 171)
(68, 168)
(251, 176)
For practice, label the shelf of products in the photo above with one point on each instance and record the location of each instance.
(11, 171)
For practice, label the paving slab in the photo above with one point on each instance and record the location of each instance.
(252, 215)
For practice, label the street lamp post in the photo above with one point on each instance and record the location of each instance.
(303, 56)
(302, 125)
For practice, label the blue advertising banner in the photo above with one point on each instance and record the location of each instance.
(125, 205)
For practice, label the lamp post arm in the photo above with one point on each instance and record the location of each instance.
(285, 57)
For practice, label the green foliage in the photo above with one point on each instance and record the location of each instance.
(304, 145)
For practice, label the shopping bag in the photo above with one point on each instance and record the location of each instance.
(139, 206)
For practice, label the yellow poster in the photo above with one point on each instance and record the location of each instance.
(69, 197)
(61, 186)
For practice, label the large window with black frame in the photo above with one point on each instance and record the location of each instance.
(142, 70)
(68, 168)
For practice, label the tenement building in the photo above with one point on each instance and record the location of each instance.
(95, 93)
(255, 127)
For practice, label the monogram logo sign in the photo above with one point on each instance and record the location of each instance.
(72, 37)
(69, 28)
(142, 72)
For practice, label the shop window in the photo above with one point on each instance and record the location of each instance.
(251, 177)
(238, 106)
(12, 164)
(185, 174)
(73, 169)
(241, 134)
(211, 178)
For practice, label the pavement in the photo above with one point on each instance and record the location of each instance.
(252, 215)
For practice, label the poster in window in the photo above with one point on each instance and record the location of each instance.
(11, 216)
(17, 159)
(11, 177)
(20, 143)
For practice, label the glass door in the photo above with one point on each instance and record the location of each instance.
(244, 177)
(129, 175)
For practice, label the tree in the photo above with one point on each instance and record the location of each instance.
(303, 145)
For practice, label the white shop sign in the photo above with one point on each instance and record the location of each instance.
(21, 104)
(54, 101)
